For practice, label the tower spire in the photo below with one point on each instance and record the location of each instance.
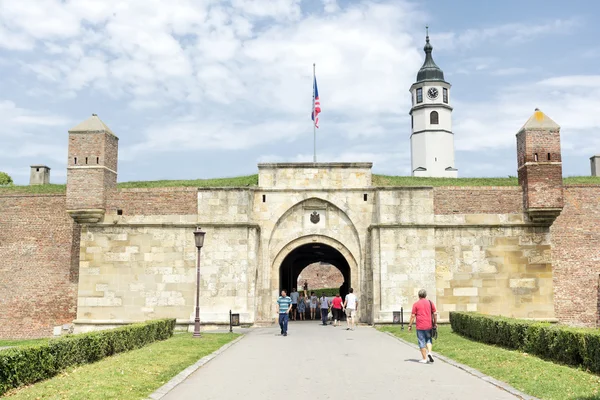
(429, 71)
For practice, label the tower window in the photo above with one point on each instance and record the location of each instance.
(264, 198)
(86, 160)
(445, 95)
(412, 122)
(365, 197)
(97, 160)
(548, 156)
(434, 118)
(75, 160)
(419, 95)
(535, 157)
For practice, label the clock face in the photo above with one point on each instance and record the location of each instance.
(432, 93)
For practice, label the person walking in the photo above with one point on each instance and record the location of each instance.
(324, 308)
(294, 296)
(350, 306)
(284, 302)
(301, 307)
(423, 311)
(336, 307)
(313, 305)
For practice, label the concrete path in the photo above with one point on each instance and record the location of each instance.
(322, 362)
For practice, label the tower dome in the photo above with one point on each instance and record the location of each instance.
(429, 71)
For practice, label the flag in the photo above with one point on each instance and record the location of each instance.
(316, 104)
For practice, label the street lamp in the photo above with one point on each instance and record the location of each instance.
(199, 238)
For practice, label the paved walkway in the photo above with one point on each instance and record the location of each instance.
(322, 362)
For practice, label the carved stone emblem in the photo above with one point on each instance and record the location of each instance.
(315, 217)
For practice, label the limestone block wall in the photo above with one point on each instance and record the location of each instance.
(314, 175)
(225, 205)
(499, 270)
(134, 271)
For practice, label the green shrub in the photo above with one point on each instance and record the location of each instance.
(329, 292)
(26, 365)
(578, 347)
(5, 179)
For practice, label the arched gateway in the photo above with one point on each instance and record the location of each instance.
(306, 250)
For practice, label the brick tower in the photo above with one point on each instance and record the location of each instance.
(92, 169)
(540, 167)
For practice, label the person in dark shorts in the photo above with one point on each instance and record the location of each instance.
(294, 296)
(336, 308)
(324, 308)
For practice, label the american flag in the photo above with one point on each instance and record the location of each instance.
(316, 105)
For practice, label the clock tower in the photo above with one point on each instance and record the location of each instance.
(431, 139)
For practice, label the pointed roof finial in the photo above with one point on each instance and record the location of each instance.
(429, 71)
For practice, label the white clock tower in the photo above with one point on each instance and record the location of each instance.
(431, 140)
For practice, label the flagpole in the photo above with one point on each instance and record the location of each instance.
(314, 119)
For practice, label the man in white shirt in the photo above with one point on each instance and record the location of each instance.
(350, 305)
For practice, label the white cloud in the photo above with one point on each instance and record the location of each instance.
(510, 33)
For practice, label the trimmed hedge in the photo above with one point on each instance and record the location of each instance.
(572, 346)
(25, 365)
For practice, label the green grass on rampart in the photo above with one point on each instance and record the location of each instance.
(252, 180)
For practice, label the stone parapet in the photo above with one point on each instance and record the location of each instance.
(314, 175)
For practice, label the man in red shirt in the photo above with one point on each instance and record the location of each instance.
(423, 311)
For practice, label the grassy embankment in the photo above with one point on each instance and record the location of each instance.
(252, 180)
(131, 375)
(532, 375)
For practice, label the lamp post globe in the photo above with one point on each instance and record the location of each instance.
(199, 239)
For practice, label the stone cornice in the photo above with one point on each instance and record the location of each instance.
(91, 167)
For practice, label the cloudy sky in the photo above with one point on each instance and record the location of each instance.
(209, 88)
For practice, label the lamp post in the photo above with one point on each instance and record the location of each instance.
(199, 238)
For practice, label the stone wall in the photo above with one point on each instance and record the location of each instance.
(153, 201)
(320, 276)
(145, 267)
(576, 253)
(39, 265)
(314, 175)
(478, 200)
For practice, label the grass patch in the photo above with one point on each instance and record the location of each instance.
(530, 374)
(23, 342)
(385, 180)
(239, 181)
(252, 180)
(131, 375)
(581, 180)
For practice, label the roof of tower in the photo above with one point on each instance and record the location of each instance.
(92, 124)
(539, 120)
(429, 71)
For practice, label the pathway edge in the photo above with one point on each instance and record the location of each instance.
(502, 385)
(180, 377)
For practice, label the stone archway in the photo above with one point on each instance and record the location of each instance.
(301, 247)
(303, 256)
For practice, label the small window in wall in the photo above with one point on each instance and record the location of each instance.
(37, 170)
(535, 157)
(548, 156)
(97, 160)
(419, 95)
(86, 160)
(264, 198)
(119, 212)
(412, 122)
(75, 160)
(434, 118)
(365, 197)
(445, 95)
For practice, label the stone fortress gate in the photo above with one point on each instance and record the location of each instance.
(137, 257)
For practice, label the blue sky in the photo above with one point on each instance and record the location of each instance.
(201, 89)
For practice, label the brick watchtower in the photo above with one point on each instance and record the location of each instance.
(92, 169)
(540, 167)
